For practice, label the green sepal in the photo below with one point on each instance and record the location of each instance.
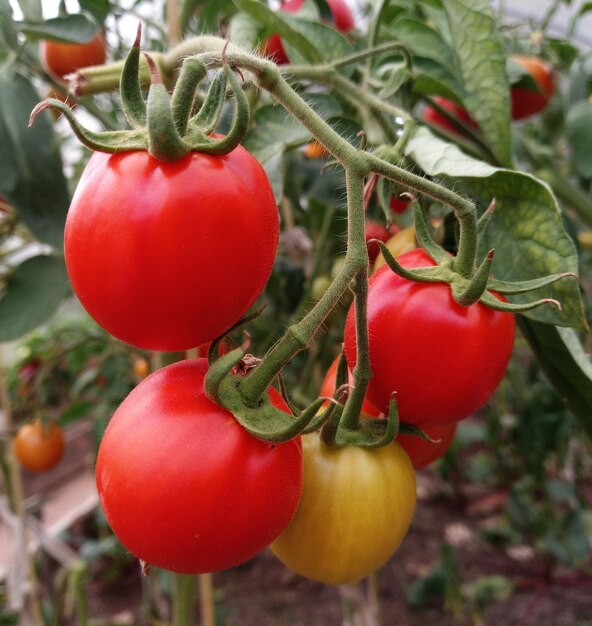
(424, 237)
(524, 286)
(132, 99)
(469, 292)
(112, 141)
(193, 71)
(431, 274)
(410, 429)
(485, 219)
(507, 307)
(208, 115)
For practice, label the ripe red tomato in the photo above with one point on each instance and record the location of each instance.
(430, 114)
(525, 102)
(183, 485)
(167, 256)
(442, 359)
(61, 59)
(399, 205)
(375, 230)
(37, 446)
(356, 508)
(342, 16)
(422, 452)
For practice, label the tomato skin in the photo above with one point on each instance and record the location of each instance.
(525, 102)
(375, 230)
(356, 507)
(315, 150)
(342, 16)
(421, 452)
(430, 114)
(37, 446)
(399, 205)
(443, 360)
(149, 249)
(61, 59)
(183, 485)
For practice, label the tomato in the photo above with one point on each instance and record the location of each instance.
(356, 507)
(141, 368)
(526, 102)
(37, 446)
(168, 255)
(422, 452)
(328, 389)
(430, 114)
(61, 59)
(342, 16)
(183, 485)
(375, 230)
(401, 242)
(442, 359)
(399, 205)
(315, 150)
(28, 371)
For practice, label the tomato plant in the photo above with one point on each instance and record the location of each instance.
(399, 205)
(432, 115)
(356, 508)
(375, 230)
(526, 102)
(39, 446)
(61, 59)
(401, 242)
(442, 359)
(183, 485)
(167, 271)
(422, 452)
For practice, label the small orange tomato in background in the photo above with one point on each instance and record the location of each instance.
(61, 59)
(38, 446)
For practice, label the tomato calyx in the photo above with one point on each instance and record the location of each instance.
(479, 285)
(165, 124)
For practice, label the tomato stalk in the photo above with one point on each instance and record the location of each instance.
(184, 598)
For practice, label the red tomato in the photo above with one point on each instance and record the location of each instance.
(442, 359)
(37, 446)
(525, 102)
(61, 59)
(399, 205)
(375, 230)
(422, 452)
(342, 16)
(167, 256)
(183, 485)
(430, 114)
(328, 389)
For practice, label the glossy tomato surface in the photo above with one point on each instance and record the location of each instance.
(39, 446)
(356, 508)
(61, 59)
(442, 359)
(526, 102)
(183, 485)
(167, 256)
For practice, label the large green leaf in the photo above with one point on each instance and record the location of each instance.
(274, 130)
(565, 363)
(481, 65)
(33, 293)
(526, 230)
(324, 38)
(578, 127)
(8, 37)
(76, 28)
(31, 175)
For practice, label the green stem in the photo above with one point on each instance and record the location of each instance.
(183, 599)
(571, 195)
(206, 600)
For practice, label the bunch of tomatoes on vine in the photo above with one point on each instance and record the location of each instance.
(209, 460)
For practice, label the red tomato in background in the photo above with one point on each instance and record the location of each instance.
(183, 485)
(342, 16)
(375, 230)
(61, 59)
(167, 256)
(422, 452)
(430, 114)
(39, 446)
(442, 359)
(525, 102)
(399, 205)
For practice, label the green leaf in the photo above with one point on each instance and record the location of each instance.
(481, 65)
(274, 131)
(526, 228)
(276, 23)
(76, 28)
(33, 293)
(332, 43)
(564, 362)
(423, 41)
(578, 126)
(8, 37)
(31, 9)
(244, 30)
(31, 175)
(99, 9)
